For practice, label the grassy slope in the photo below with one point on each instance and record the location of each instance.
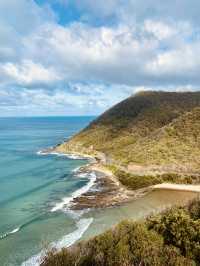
(146, 129)
(176, 143)
(155, 135)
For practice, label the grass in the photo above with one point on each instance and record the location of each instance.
(159, 128)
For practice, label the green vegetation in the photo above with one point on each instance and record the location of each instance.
(150, 128)
(171, 238)
(134, 182)
(139, 139)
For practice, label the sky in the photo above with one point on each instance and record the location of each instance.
(79, 57)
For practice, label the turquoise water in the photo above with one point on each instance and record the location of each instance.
(34, 188)
(32, 184)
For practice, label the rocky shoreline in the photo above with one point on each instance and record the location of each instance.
(106, 192)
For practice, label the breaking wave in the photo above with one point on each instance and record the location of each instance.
(68, 240)
(10, 233)
(69, 156)
(67, 200)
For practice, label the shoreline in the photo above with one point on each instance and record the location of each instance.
(106, 192)
(109, 191)
(178, 187)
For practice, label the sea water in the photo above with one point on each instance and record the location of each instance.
(36, 189)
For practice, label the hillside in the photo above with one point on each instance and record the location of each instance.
(152, 130)
(147, 139)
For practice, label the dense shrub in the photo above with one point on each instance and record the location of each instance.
(137, 181)
(171, 238)
(133, 181)
(179, 229)
(194, 209)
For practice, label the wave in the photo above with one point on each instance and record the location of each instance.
(17, 229)
(69, 156)
(10, 233)
(66, 241)
(71, 238)
(65, 201)
(76, 170)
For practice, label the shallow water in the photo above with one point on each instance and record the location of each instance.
(35, 188)
(31, 185)
(152, 202)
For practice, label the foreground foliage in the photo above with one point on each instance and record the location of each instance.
(170, 238)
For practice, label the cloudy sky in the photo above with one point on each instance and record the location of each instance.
(79, 57)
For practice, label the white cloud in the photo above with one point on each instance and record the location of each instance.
(29, 73)
(179, 63)
(77, 99)
(159, 29)
(119, 55)
(113, 50)
(24, 16)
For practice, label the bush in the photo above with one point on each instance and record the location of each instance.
(136, 181)
(178, 229)
(171, 239)
(194, 208)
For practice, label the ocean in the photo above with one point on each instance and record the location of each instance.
(33, 185)
(36, 188)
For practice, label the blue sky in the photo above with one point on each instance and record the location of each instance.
(79, 57)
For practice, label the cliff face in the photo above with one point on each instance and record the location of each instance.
(147, 129)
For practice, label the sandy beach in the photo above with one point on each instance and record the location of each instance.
(180, 187)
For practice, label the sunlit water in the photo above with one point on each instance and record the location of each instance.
(31, 185)
(35, 190)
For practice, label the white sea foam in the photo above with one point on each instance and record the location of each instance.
(75, 157)
(65, 201)
(81, 175)
(71, 238)
(10, 233)
(15, 230)
(76, 170)
(66, 241)
(70, 156)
